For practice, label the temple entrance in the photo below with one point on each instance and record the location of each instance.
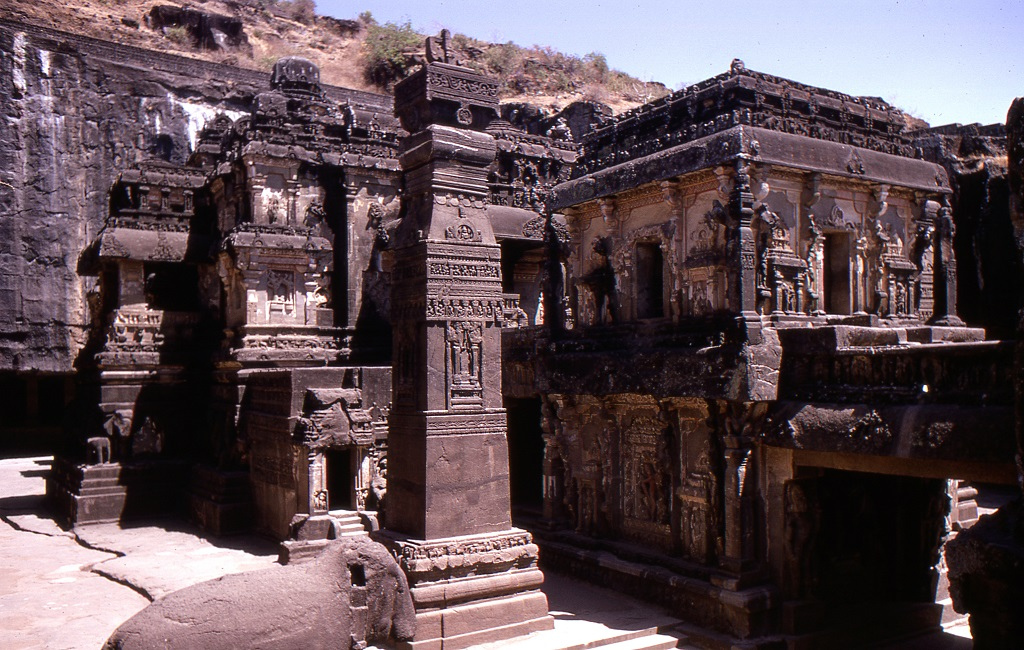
(863, 547)
(339, 479)
(650, 281)
(836, 276)
(525, 455)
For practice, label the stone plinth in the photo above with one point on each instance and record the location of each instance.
(221, 500)
(90, 494)
(471, 589)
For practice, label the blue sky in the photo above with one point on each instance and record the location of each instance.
(942, 61)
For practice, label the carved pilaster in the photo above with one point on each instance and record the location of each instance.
(924, 257)
(738, 424)
(673, 196)
(945, 268)
(744, 257)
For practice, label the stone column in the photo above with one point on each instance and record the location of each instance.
(924, 253)
(473, 578)
(945, 268)
(744, 259)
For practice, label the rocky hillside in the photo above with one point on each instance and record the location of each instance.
(356, 52)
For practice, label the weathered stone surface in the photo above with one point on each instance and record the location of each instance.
(352, 594)
(986, 578)
(974, 157)
(986, 561)
(208, 30)
(77, 112)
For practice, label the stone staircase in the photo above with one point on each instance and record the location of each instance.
(318, 531)
(347, 523)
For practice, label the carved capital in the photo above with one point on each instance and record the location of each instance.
(673, 196)
(759, 185)
(609, 212)
(880, 194)
(724, 176)
(812, 191)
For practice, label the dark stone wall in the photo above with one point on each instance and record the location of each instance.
(988, 294)
(74, 112)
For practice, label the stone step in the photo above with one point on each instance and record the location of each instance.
(654, 641)
(590, 636)
(347, 523)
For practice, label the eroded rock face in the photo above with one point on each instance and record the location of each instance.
(974, 157)
(207, 30)
(354, 593)
(76, 111)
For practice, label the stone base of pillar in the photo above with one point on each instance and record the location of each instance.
(472, 589)
(110, 492)
(220, 501)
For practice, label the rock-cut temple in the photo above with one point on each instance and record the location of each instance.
(741, 351)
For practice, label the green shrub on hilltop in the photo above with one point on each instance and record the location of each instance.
(386, 51)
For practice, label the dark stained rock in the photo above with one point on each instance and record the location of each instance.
(974, 157)
(77, 112)
(208, 31)
(354, 593)
(986, 578)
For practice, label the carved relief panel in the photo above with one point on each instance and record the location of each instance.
(464, 363)
(704, 276)
(647, 482)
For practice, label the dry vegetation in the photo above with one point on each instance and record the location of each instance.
(357, 53)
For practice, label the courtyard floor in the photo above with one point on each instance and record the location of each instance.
(69, 590)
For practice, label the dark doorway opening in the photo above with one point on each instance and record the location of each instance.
(339, 479)
(650, 279)
(838, 299)
(874, 556)
(525, 455)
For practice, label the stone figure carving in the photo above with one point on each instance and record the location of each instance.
(315, 214)
(117, 427)
(600, 280)
(98, 448)
(802, 525)
(465, 341)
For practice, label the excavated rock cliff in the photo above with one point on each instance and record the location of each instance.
(75, 112)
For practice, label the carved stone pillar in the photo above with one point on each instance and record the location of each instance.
(674, 198)
(554, 470)
(737, 424)
(473, 578)
(945, 268)
(738, 536)
(745, 257)
(924, 253)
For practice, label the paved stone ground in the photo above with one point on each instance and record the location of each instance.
(62, 590)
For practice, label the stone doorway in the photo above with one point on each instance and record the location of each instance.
(526, 455)
(836, 280)
(340, 479)
(860, 547)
